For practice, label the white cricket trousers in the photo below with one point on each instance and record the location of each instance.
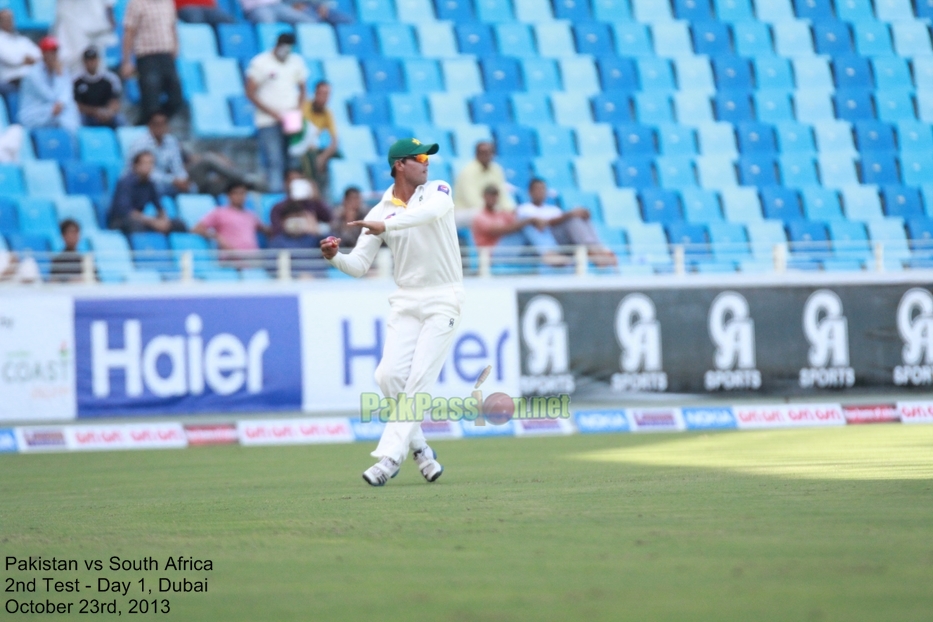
(419, 333)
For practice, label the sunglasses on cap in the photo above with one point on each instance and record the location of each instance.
(421, 157)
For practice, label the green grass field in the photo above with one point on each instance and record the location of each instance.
(819, 524)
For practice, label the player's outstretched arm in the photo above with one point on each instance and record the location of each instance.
(355, 263)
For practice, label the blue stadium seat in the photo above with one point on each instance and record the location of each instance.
(872, 39)
(554, 140)
(43, 178)
(700, 205)
(531, 109)
(733, 10)
(861, 203)
(773, 73)
(923, 73)
(211, 118)
(874, 136)
(242, 111)
(457, 11)
(671, 39)
(375, 11)
(77, 208)
(9, 221)
(774, 106)
(383, 75)
(895, 105)
(37, 217)
(920, 231)
(901, 202)
(533, 10)
(832, 38)
(345, 173)
(491, 108)
(98, 144)
(515, 141)
(27, 244)
(397, 41)
(692, 108)
(194, 207)
(385, 135)
(617, 74)
(571, 108)
(752, 39)
(593, 38)
(834, 137)
(222, 77)
(781, 204)
(494, 11)
(711, 39)
(206, 266)
(762, 238)
(357, 40)
(611, 11)
(632, 40)
(837, 170)
(637, 141)
(267, 34)
(813, 107)
(196, 41)
(916, 168)
(555, 40)
(191, 77)
(849, 240)
(370, 109)
(755, 138)
(924, 9)
(517, 171)
(52, 143)
(655, 75)
(692, 236)
(475, 38)
(854, 105)
(675, 172)
(620, 207)
(422, 75)
(694, 74)
(436, 40)
(717, 139)
(852, 72)
(379, 175)
(578, 75)
(151, 252)
(344, 75)
(741, 204)
(728, 241)
(757, 170)
(733, 107)
(635, 173)
(791, 38)
(797, 170)
(596, 140)
(816, 10)
(914, 136)
(891, 10)
(556, 171)
(112, 256)
(674, 139)
(732, 73)
(693, 10)
(11, 180)
(407, 109)
(239, 41)
(892, 234)
(501, 74)
(594, 174)
(84, 178)
(612, 107)
(808, 240)
(812, 73)
(659, 205)
(540, 75)
(448, 109)
(879, 168)
(650, 11)
(911, 38)
(821, 204)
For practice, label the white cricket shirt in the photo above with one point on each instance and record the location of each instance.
(421, 236)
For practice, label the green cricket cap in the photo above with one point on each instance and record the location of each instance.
(407, 147)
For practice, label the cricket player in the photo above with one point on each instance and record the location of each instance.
(415, 218)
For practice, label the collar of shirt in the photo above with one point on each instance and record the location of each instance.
(389, 197)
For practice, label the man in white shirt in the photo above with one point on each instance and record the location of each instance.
(275, 83)
(17, 53)
(415, 218)
(46, 95)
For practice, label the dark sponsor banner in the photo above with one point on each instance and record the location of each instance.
(222, 434)
(871, 413)
(187, 355)
(605, 344)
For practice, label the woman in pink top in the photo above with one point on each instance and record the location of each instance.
(233, 226)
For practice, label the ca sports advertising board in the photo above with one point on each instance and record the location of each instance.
(604, 344)
(92, 356)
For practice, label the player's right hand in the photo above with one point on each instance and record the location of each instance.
(329, 246)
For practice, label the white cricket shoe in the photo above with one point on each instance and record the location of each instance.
(381, 472)
(426, 460)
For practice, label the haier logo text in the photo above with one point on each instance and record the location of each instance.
(639, 336)
(733, 333)
(546, 344)
(187, 355)
(827, 331)
(915, 325)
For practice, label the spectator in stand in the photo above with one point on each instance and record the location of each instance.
(569, 228)
(300, 221)
(472, 182)
(134, 192)
(275, 83)
(233, 226)
(46, 97)
(316, 159)
(83, 24)
(11, 143)
(97, 92)
(269, 11)
(492, 225)
(202, 12)
(67, 266)
(16, 270)
(350, 210)
(18, 54)
(149, 32)
(169, 174)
